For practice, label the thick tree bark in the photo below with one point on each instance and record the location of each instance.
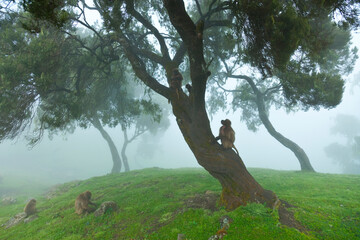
(114, 152)
(238, 186)
(296, 149)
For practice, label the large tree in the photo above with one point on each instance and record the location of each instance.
(158, 36)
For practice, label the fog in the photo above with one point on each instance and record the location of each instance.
(85, 153)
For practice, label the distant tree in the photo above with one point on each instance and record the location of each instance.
(347, 155)
(86, 89)
(143, 124)
(265, 40)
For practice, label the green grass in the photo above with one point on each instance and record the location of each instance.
(152, 206)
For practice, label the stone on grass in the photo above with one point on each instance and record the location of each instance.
(107, 206)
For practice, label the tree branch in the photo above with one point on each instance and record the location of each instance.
(194, 45)
(179, 56)
(148, 25)
(139, 67)
(272, 90)
(86, 47)
(150, 55)
(137, 133)
(249, 80)
(199, 8)
(227, 90)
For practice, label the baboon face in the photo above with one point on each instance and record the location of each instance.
(226, 122)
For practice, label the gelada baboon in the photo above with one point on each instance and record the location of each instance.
(82, 203)
(176, 81)
(30, 207)
(227, 135)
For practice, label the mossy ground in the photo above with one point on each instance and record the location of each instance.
(152, 205)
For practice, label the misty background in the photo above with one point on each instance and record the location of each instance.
(85, 153)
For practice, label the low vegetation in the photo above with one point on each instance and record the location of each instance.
(162, 203)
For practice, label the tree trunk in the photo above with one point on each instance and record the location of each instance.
(298, 151)
(238, 186)
(123, 154)
(114, 152)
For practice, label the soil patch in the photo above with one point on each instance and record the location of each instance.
(287, 218)
(207, 200)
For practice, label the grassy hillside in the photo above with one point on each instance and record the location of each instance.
(161, 203)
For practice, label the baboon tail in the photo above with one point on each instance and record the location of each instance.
(237, 152)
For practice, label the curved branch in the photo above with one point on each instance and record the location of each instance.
(272, 90)
(179, 56)
(148, 25)
(227, 90)
(250, 81)
(139, 67)
(199, 8)
(150, 55)
(194, 46)
(86, 47)
(86, 25)
(87, 6)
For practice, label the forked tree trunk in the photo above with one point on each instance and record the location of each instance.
(114, 152)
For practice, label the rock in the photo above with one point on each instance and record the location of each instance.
(214, 237)
(8, 200)
(15, 220)
(107, 206)
(31, 218)
(181, 236)
(225, 222)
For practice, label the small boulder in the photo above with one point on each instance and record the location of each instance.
(8, 201)
(225, 222)
(31, 218)
(107, 206)
(15, 220)
(181, 236)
